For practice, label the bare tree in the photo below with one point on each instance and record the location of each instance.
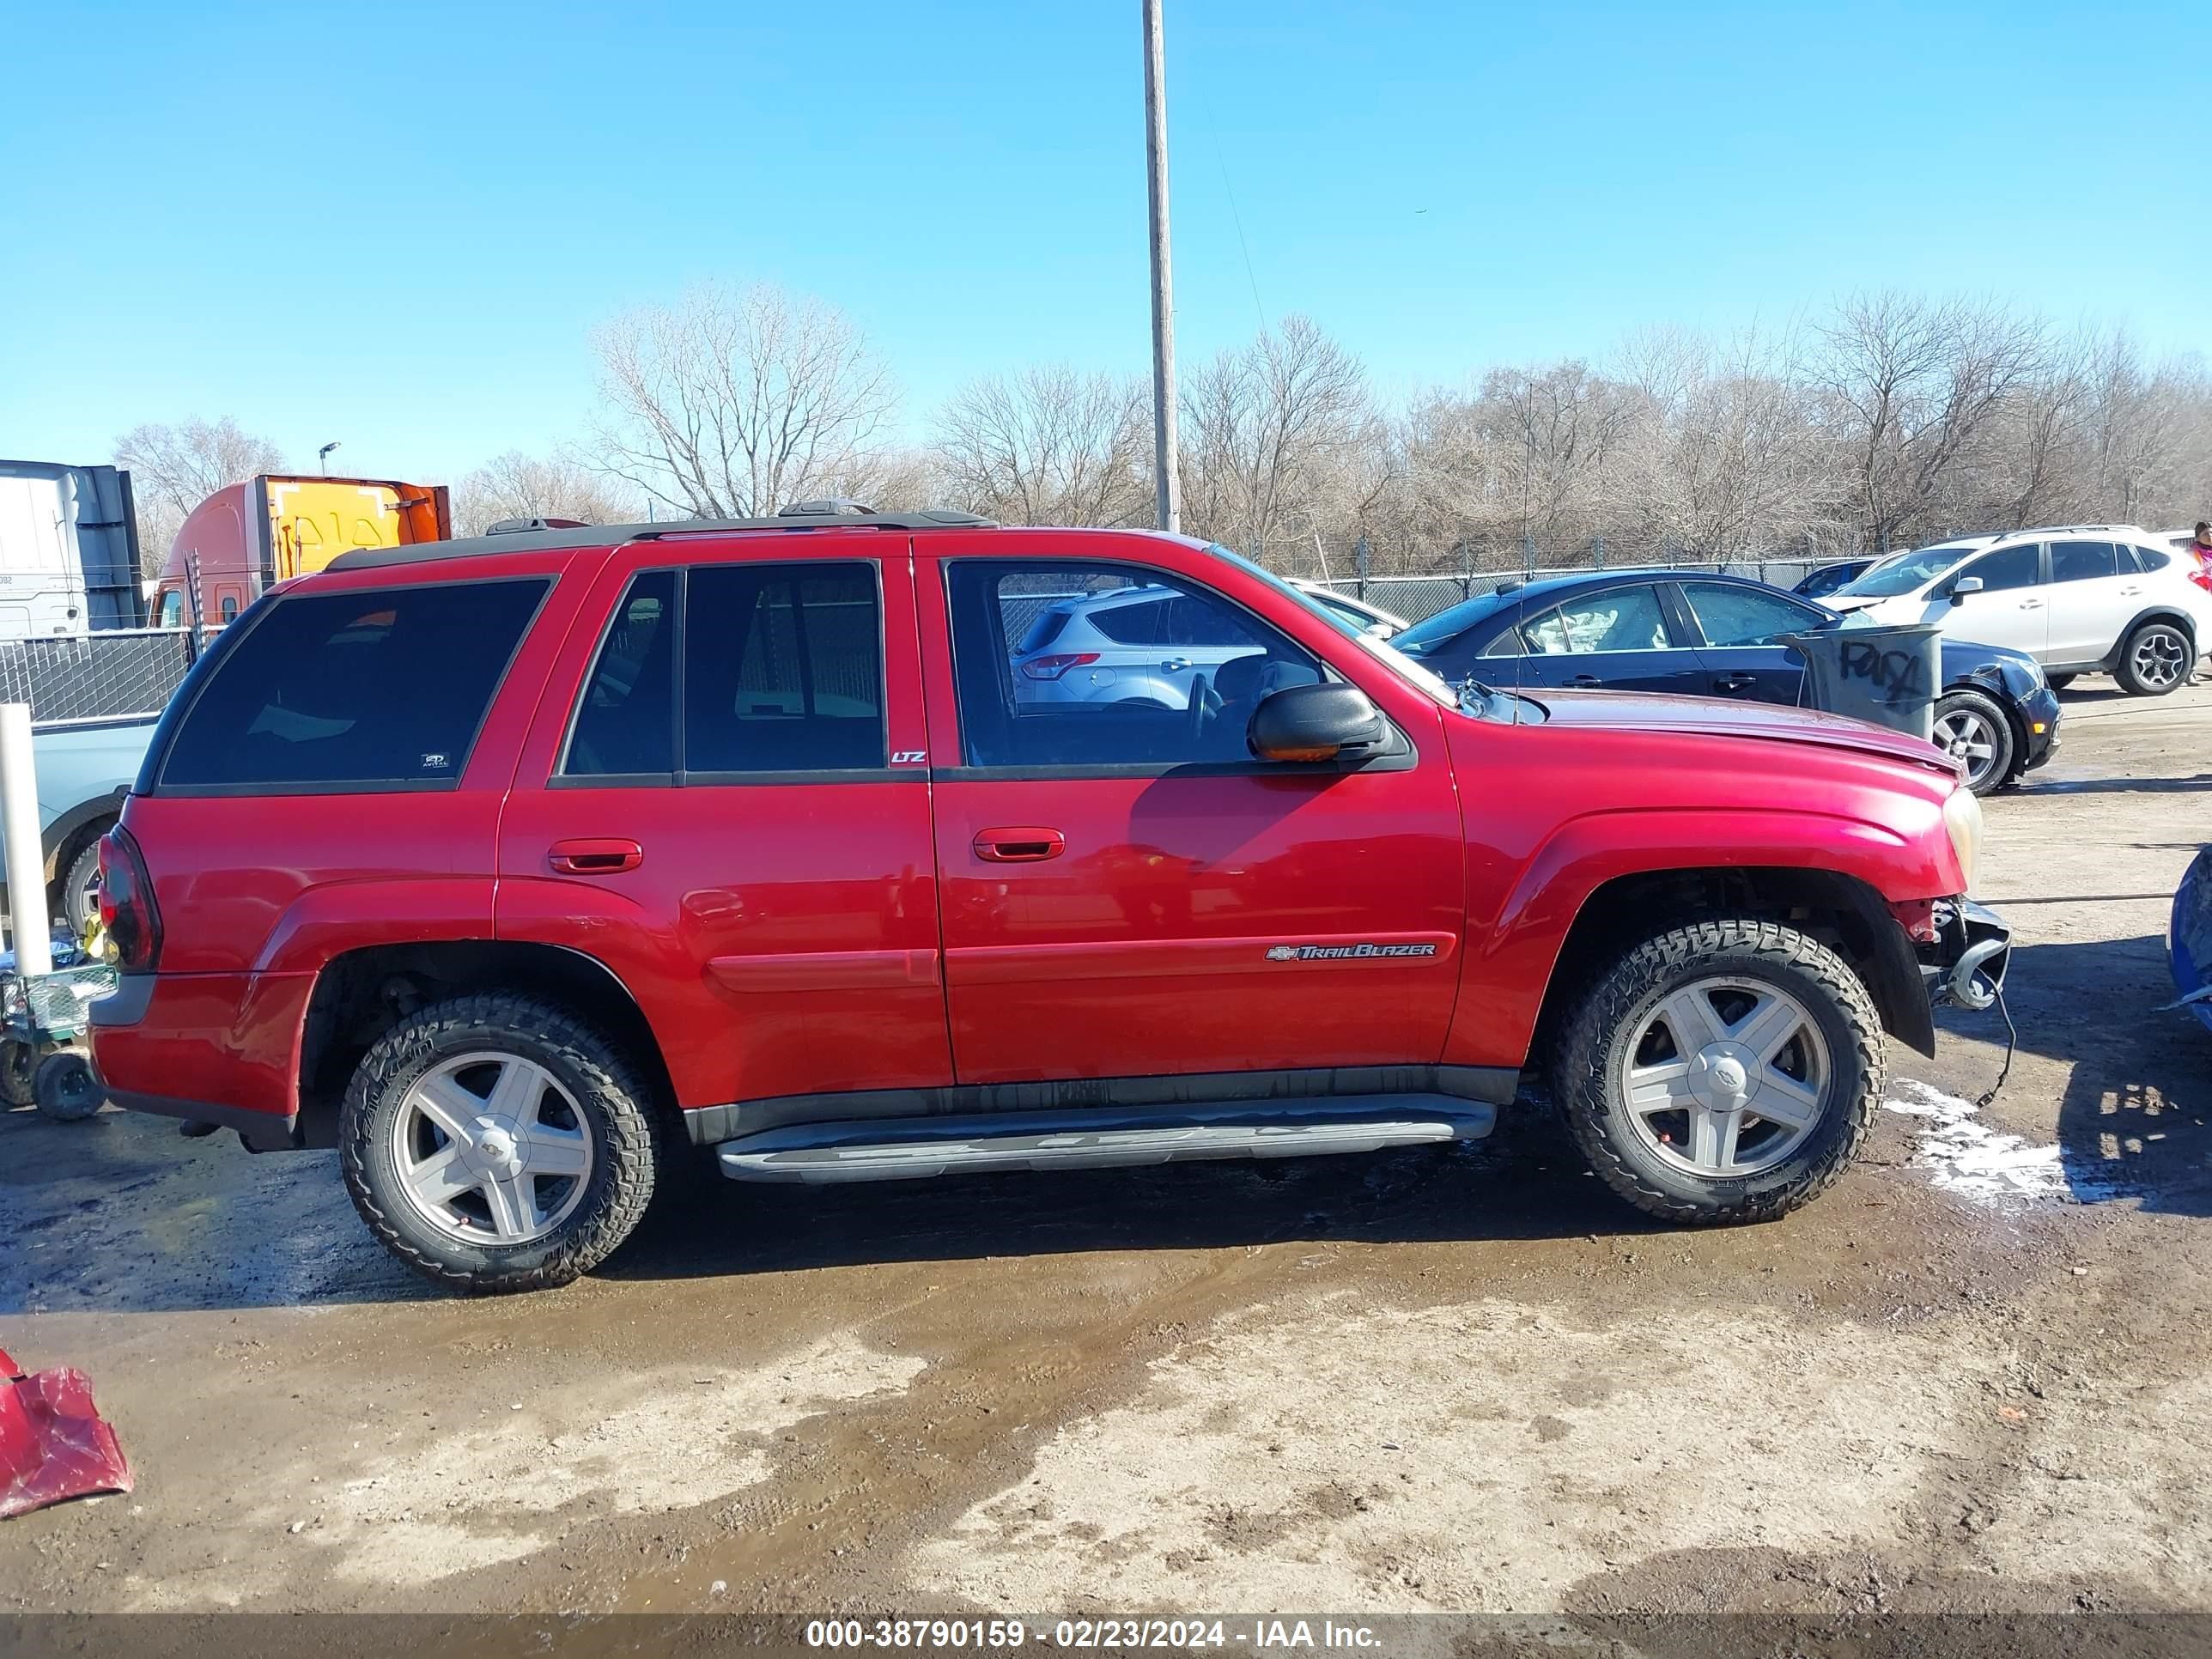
(1726, 457)
(734, 403)
(518, 486)
(1271, 434)
(1915, 387)
(175, 467)
(1048, 446)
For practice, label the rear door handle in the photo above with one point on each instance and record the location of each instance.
(1174, 664)
(594, 858)
(1019, 846)
(2031, 604)
(1585, 679)
(1734, 682)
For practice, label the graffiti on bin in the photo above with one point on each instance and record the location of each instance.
(1897, 675)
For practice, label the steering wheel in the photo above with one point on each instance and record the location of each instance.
(1205, 704)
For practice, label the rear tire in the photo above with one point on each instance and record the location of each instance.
(2060, 682)
(1973, 731)
(1752, 980)
(555, 1158)
(2155, 659)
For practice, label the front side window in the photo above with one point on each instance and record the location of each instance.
(2083, 562)
(173, 610)
(373, 687)
(230, 607)
(1181, 693)
(1619, 619)
(2009, 567)
(1731, 615)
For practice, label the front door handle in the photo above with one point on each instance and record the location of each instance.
(1019, 846)
(1585, 679)
(1174, 664)
(594, 858)
(1734, 682)
(2031, 604)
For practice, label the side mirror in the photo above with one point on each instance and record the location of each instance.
(1965, 585)
(1315, 723)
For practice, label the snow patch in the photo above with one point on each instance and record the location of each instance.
(1966, 1156)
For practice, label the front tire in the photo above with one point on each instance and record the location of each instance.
(1973, 731)
(497, 1143)
(2155, 660)
(1723, 1072)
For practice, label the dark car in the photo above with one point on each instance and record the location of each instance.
(1658, 630)
(1828, 577)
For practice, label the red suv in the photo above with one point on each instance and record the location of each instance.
(521, 866)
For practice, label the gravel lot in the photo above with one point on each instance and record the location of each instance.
(1971, 1377)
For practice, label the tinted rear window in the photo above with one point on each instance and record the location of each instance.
(379, 688)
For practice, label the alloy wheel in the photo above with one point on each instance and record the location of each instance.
(2159, 659)
(1727, 1077)
(491, 1148)
(1965, 734)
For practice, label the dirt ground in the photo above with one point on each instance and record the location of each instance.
(1971, 1377)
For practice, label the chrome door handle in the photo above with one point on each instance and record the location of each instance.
(1174, 664)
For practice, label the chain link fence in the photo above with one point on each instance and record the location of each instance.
(113, 674)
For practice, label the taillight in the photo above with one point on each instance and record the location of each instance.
(1051, 668)
(127, 913)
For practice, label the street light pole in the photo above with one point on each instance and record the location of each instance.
(1168, 488)
(322, 456)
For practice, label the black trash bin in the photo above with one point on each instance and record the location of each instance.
(1889, 674)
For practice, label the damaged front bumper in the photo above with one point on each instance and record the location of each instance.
(1965, 961)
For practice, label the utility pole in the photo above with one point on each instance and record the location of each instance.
(1168, 487)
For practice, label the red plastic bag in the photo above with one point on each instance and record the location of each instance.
(53, 1443)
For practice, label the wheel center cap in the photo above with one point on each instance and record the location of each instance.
(1724, 1076)
(496, 1149)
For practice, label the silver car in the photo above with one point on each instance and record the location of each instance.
(1137, 644)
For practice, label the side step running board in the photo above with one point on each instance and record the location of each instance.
(905, 1149)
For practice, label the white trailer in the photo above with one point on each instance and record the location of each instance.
(69, 551)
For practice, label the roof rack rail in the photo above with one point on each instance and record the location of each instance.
(799, 517)
(524, 526)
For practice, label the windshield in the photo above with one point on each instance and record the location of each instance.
(1422, 679)
(1907, 573)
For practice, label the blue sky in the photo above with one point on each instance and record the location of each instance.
(396, 226)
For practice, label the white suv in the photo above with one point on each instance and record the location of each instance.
(2076, 597)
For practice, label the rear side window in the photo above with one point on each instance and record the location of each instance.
(780, 666)
(2081, 561)
(626, 722)
(783, 670)
(376, 688)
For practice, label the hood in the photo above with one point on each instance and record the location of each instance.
(1637, 711)
(1850, 601)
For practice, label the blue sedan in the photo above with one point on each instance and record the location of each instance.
(1717, 636)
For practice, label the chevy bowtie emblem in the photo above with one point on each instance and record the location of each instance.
(1282, 953)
